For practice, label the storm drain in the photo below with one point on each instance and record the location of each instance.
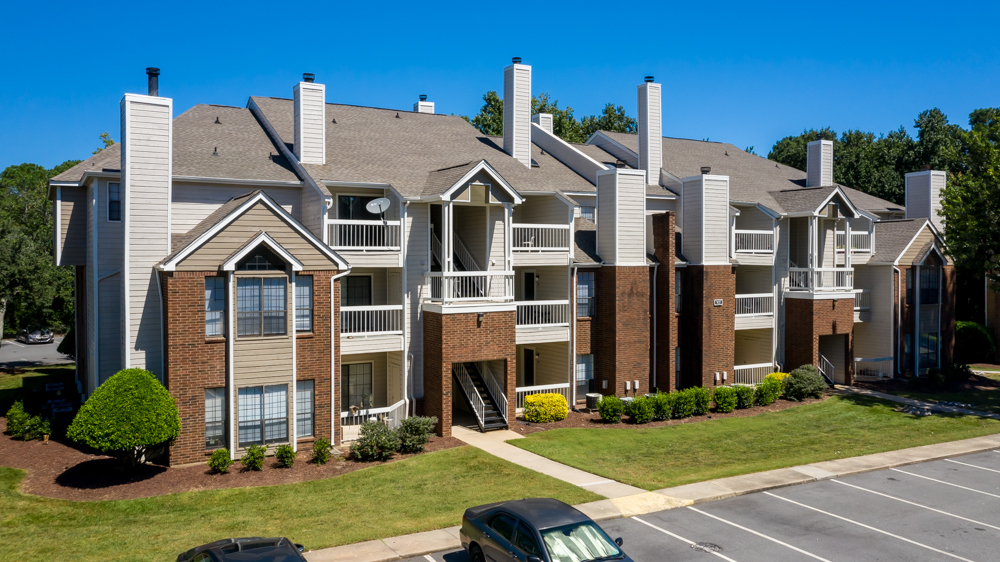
(706, 547)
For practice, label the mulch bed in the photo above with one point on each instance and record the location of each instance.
(974, 383)
(583, 419)
(60, 469)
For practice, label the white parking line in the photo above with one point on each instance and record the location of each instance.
(429, 558)
(974, 466)
(887, 533)
(917, 504)
(947, 483)
(761, 535)
(680, 538)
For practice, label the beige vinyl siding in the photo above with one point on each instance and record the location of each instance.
(631, 219)
(918, 195)
(752, 347)
(752, 279)
(146, 159)
(551, 365)
(607, 214)
(650, 143)
(310, 116)
(380, 375)
(692, 217)
(260, 217)
(541, 209)
(470, 227)
(496, 239)
(517, 113)
(192, 202)
(798, 239)
(91, 295)
(826, 241)
(395, 383)
(110, 240)
(716, 227)
(310, 213)
(73, 225)
(265, 360)
(417, 289)
(874, 338)
(913, 251)
(752, 218)
(552, 283)
(654, 204)
(110, 335)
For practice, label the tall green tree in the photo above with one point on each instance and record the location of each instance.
(564, 124)
(489, 120)
(791, 150)
(106, 140)
(612, 118)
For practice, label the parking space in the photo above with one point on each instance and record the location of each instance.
(16, 354)
(940, 510)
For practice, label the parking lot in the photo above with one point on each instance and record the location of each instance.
(17, 354)
(940, 510)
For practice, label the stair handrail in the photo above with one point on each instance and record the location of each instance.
(464, 256)
(826, 369)
(436, 248)
(495, 389)
(475, 400)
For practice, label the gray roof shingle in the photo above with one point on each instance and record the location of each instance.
(892, 237)
(107, 160)
(585, 238)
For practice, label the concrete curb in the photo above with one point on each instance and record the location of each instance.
(418, 544)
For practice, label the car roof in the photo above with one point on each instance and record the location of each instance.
(544, 513)
(250, 549)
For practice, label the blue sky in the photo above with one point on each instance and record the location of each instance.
(747, 73)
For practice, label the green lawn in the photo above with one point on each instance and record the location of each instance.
(34, 375)
(841, 426)
(984, 400)
(425, 492)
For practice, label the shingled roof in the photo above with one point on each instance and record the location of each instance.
(107, 160)
(892, 238)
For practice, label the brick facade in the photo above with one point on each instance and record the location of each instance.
(313, 351)
(908, 317)
(623, 305)
(708, 343)
(463, 338)
(806, 320)
(666, 328)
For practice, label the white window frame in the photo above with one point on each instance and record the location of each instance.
(107, 197)
(299, 411)
(345, 380)
(312, 303)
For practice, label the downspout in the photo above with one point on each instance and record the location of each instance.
(899, 318)
(334, 412)
(656, 268)
(572, 315)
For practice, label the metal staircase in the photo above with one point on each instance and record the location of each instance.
(483, 394)
(826, 369)
(461, 257)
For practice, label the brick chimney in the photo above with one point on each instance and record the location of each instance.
(517, 111)
(819, 163)
(310, 120)
(650, 130)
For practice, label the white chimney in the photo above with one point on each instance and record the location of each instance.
(650, 130)
(705, 218)
(543, 120)
(423, 106)
(310, 120)
(517, 111)
(819, 163)
(923, 196)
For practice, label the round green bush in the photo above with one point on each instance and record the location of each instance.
(545, 408)
(17, 420)
(126, 416)
(683, 404)
(253, 457)
(414, 433)
(702, 398)
(641, 410)
(611, 409)
(725, 399)
(220, 462)
(973, 343)
(744, 397)
(804, 382)
(767, 392)
(321, 451)
(377, 442)
(285, 455)
(663, 405)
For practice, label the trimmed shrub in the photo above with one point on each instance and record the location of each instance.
(253, 457)
(414, 433)
(804, 382)
(545, 408)
(767, 392)
(36, 427)
(611, 409)
(126, 416)
(377, 442)
(973, 343)
(777, 376)
(285, 455)
(641, 410)
(321, 451)
(663, 405)
(959, 372)
(17, 419)
(220, 462)
(744, 397)
(683, 404)
(725, 399)
(702, 399)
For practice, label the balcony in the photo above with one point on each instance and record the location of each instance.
(540, 244)
(366, 243)
(823, 279)
(873, 369)
(754, 241)
(525, 391)
(861, 242)
(754, 311)
(543, 321)
(448, 287)
(370, 329)
(862, 305)
(751, 374)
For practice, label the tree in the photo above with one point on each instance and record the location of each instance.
(126, 416)
(613, 118)
(564, 124)
(791, 151)
(107, 140)
(489, 120)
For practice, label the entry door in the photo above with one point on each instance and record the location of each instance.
(528, 285)
(528, 366)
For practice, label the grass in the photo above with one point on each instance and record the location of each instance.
(841, 426)
(425, 492)
(31, 376)
(983, 400)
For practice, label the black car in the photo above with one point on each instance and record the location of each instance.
(535, 530)
(36, 335)
(249, 549)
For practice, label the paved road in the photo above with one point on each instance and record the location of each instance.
(938, 510)
(16, 354)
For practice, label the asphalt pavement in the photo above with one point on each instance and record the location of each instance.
(939, 510)
(17, 354)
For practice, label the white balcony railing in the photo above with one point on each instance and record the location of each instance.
(543, 313)
(755, 241)
(751, 374)
(877, 368)
(821, 279)
(862, 299)
(363, 235)
(757, 304)
(861, 242)
(350, 422)
(468, 286)
(475, 399)
(540, 237)
(386, 319)
(522, 391)
(495, 388)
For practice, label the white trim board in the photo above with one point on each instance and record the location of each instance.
(265, 239)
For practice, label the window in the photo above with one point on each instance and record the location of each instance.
(589, 213)
(909, 286)
(263, 414)
(928, 351)
(579, 542)
(260, 306)
(359, 385)
(929, 278)
(215, 306)
(215, 415)
(584, 375)
(504, 525)
(259, 262)
(352, 207)
(525, 541)
(585, 294)
(114, 202)
(677, 291)
(304, 303)
(356, 290)
(677, 365)
(304, 408)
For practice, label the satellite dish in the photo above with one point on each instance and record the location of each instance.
(378, 206)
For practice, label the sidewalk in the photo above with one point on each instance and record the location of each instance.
(917, 403)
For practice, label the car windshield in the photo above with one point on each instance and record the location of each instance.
(578, 543)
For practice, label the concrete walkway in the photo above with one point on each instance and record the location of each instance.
(932, 406)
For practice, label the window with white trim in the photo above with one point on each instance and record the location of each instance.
(585, 294)
(304, 303)
(263, 415)
(114, 202)
(215, 416)
(305, 408)
(260, 306)
(215, 306)
(588, 212)
(356, 290)
(358, 385)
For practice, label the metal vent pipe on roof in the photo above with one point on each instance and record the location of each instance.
(423, 97)
(153, 74)
(308, 77)
(516, 60)
(649, 78)
(705, 170)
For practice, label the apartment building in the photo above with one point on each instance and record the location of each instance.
(292, 268)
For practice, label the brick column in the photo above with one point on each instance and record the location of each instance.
(709, 331)
(664, 242)
(313, 356)
(807, 319)
(623, 325)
